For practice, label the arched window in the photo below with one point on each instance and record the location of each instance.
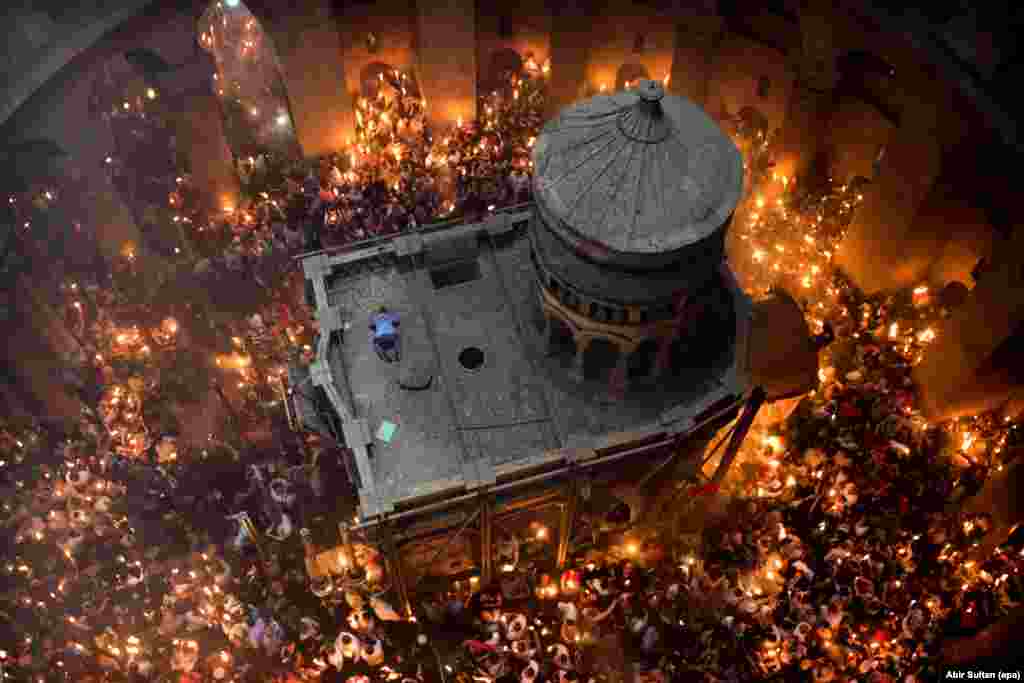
(249, 82)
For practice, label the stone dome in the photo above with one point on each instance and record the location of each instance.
(633, 179)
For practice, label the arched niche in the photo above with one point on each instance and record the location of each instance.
(752, 123)
(501, 66)
(629, 73)
(856, 139)
(641, 360)
(249, 81)
(599, 358)
(375, 76)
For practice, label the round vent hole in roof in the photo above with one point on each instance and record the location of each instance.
(471, 358)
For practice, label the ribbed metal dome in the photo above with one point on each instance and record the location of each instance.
(632, 179)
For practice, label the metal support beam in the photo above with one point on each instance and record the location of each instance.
(565, 524)
(486, 542)
(754, 403)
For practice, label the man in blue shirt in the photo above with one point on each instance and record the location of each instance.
(384, 325)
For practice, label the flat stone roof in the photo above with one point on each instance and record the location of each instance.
(469, 428)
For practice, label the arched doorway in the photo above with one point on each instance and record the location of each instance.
(599, 359)
(248, 81)
(629, 74)
(641, 361)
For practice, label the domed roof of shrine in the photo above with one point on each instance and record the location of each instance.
(634, 178)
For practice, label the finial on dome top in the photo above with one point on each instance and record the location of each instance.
(644, 121)
(650, 91)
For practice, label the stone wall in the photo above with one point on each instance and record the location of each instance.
(746, 73)
(446, 59)
(524, 28)
(628, 33)
(309, 49)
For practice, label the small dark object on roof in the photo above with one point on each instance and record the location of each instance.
(471, 358)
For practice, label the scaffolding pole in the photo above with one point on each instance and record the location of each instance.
(754, 403)
(568, 518)
(486, 542)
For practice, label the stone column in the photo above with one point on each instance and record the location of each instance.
(697, 35)
(579, 359)
(199, 129)
(570, 48)
(882, 251)
(446, 59)
(310, 52)
(48, 321)
(38, 372)
(618, 379)
(552, 342)
(801, 138)
(969, 369)
(105, 215)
